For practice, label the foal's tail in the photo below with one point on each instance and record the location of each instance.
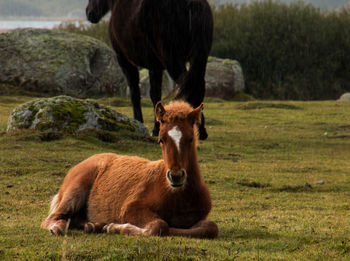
(192, 86)
(53, 206)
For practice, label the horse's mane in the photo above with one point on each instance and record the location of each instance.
(176, 111)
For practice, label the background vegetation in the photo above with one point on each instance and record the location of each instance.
(287, 51)
(51, 8)
(278, 173)
(291, 51)
(323, 4)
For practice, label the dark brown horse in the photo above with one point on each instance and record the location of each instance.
(131, 195)
(160, 35)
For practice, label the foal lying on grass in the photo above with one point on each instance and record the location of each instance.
(134, 196)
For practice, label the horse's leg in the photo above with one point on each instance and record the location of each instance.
(139, 221)
(203, 229)
(191, 86)
(155, 78)
(193, 89)
(90, 227)
(177, 71)
(156, 227)
(132, 76)
(72, 202)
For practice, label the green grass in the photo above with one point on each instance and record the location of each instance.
(262, 162)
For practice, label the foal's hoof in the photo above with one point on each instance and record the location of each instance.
(203, 135)
(112, 228)
(56, 230)
(89, 228)
(106, 228)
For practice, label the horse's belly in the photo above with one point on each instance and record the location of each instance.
(141, 55)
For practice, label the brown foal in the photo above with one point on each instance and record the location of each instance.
(134, 196)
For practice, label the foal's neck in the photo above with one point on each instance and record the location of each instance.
(193, 170)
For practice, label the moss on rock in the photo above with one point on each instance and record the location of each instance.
(70, 115)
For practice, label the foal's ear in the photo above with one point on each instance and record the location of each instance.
(195, 115)
(159, 111)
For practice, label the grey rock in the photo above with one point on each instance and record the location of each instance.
(168, 84)
(54, 62)
(320, 182)
(345, 97)
(224, 78)
(64, 113)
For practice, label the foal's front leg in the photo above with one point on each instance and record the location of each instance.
(157, 227)
(203, 229)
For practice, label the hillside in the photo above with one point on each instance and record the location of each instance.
(76, 8)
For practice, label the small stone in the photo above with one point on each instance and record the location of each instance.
(345, 97)
(307, 185)
(320, 182)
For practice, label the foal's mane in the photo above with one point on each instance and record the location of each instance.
(176, 111)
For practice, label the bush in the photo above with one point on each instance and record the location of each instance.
(287, 51)
(291, 51)
(98, 31)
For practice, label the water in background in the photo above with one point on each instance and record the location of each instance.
(13, 24)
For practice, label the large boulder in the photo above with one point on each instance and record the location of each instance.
(167, 84)
(224, 78)
(67, 114)
(57, 63)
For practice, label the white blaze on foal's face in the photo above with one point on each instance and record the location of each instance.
(176, 135)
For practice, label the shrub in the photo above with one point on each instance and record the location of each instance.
(98, 31)
(293, 51)
(290, 51)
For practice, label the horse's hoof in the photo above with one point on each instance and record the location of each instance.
(155, 133)
(106, 228)
(111, 228)
(89, 228)
(203, 135)
(56, 230)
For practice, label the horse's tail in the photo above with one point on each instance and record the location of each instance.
(192, 86)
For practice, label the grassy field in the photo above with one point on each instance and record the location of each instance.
(278, 172)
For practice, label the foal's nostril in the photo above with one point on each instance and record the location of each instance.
(176, 179)
(182, 173)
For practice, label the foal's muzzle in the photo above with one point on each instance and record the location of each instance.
(176, 179)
